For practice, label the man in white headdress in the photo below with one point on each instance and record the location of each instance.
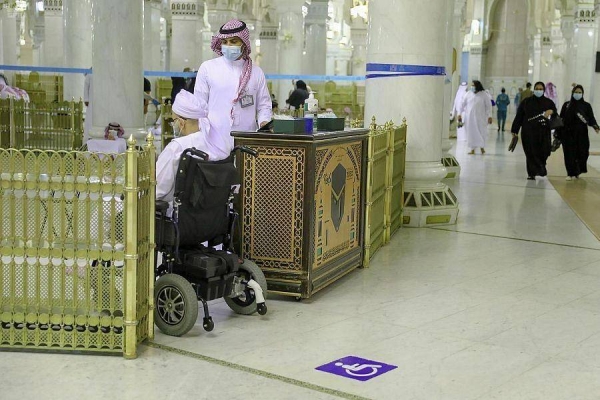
(187, 110)
(234, 88)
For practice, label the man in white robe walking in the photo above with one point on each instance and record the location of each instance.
(476, 114)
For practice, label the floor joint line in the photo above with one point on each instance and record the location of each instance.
(513, 238)
(257, 372)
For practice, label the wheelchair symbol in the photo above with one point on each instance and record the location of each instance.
(359, 370)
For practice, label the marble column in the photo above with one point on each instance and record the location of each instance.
(36, 27)
(359, 42)
(558, 61)
(567, 27)
(152, 13)
(450, 86)
(458, 34)
(358, 62)
(184, 50)
(593, 95)
(584, 47)
(342, 62)
(315, 37)
(478, 49)
(54, 43)
(77, 25)
(268, 48)
(117, 66)
(428, 201)
(290, 39)
(546, 60)
(1, 41)
(9, 40)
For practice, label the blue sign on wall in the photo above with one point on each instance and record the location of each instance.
(356, 368)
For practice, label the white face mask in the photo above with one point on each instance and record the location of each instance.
(538, 93)
(472, 88)
(578, 96)
(231, 53)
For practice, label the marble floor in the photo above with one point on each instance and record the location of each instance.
(503, 305)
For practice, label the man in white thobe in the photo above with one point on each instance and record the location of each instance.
(476, 114)
(235, 89)
(187, 110)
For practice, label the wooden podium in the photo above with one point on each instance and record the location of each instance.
(301, 207)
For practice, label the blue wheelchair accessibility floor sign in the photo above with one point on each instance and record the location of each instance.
(356, 368)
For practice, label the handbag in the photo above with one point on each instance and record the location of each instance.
(513, 143)
(555, 143)
(556, 122)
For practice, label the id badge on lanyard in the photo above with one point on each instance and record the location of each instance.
(247, 100)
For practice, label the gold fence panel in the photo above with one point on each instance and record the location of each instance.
(357, 123)
(41, 126)
(5, 119)
(166, 132)
(41, 88)
(375, 218)
(65, 260)
(163, 87)
(398, 161)
(385, 174)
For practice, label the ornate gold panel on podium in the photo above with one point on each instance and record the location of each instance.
(301, 207)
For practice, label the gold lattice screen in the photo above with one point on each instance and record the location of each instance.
(76, 249)
(272, 229)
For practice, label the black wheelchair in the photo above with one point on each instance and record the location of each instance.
(196, 244)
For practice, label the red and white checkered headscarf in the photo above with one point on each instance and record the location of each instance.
(231, 29)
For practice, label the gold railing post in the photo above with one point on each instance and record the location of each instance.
(131, 254)
(389, 185)
(152, 193)
(11, 111)
(369, 196)
(73, 130)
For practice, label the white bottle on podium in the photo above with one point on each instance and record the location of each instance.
(312, 107)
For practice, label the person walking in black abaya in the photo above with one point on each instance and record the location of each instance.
(577, 115)
(533, 118)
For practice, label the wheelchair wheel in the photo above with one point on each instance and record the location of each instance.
(246, 303)
(175, 305)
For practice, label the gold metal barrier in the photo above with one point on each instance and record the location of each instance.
(76, 249)
(41, 126)
(166, 132)
(397, 159)
(41, 88)
(385, 182)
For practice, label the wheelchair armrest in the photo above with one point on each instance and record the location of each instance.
(162, 206)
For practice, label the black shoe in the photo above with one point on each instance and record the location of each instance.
(531, 178)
